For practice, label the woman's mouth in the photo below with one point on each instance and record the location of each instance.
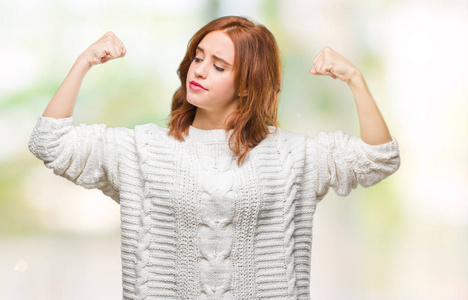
(196, 86)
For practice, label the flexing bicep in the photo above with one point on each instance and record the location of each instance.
(343, 161)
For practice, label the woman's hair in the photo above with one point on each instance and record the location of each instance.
(257, 71)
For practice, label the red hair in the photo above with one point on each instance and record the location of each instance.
(257, 71)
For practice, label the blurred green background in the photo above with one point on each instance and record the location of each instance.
(405, 238)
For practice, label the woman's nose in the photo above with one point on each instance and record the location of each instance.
(200, 70)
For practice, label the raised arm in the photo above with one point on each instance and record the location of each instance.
(63, 102)
(87, 155)
(374, 131)
(343, 161)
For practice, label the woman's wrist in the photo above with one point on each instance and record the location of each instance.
(82, 64)
(356, 79)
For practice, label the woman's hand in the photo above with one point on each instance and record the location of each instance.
(108, 47)
(329, 62)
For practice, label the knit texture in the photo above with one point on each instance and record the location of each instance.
(195, 225)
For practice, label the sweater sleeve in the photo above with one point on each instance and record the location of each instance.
(341, 161)
(84, 154)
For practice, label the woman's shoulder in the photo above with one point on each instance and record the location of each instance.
(279, 132)
(155, 132)
(283, 140)
(283, 144)
(151, 128)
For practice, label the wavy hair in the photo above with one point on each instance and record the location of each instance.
(257, 72)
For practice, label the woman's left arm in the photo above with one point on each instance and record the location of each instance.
(374, 131)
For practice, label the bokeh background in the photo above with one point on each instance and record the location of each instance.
(405, 238)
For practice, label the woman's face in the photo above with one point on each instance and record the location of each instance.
(212, 68)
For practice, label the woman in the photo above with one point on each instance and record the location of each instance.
(220, 204)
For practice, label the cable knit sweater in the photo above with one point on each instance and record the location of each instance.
(194, 225)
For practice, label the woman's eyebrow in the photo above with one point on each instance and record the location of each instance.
(214, 56)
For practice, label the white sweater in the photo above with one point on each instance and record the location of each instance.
(195, 225)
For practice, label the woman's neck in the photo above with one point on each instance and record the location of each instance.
(209, 120)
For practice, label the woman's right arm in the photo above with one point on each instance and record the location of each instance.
(63, 102)
(87, 155)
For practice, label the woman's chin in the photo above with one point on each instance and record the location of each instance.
(194, 102)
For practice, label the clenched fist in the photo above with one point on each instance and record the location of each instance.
(108, 47)
(331, 63)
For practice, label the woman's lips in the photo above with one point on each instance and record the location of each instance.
(196, 86)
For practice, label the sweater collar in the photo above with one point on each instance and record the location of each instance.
(209, 135)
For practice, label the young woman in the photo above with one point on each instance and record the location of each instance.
(220, 204)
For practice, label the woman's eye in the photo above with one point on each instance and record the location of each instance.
(196, 59)
(218, 68)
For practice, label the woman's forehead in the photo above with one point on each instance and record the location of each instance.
(219, 44)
